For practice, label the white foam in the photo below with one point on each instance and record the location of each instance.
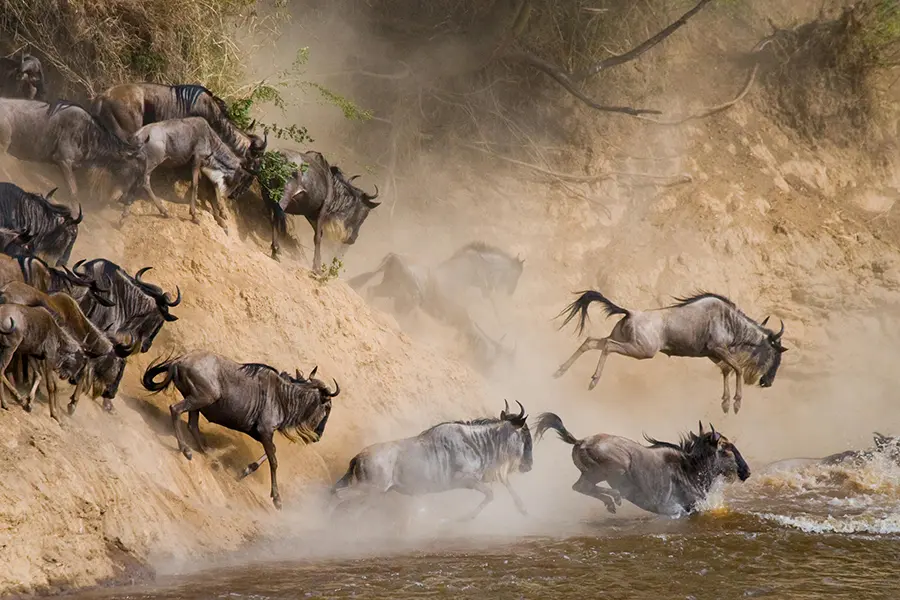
(886, 524)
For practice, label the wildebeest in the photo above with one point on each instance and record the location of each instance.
(704, 325)
(15, 243)
(664, 478)
(35, 334)
(127, 107)
(21, 77)
(190, 141)
(884, 446)
(476, 265)
(53, 227)
(321, 193)
(105, 357)
(448, 456)
(252, 398)
(139, 308)
(63, 134)
(38, 274)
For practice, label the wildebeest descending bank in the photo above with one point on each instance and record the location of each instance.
(127, 107)
(52, 227)
(668, 479)
(705, 325)
(252, 398)
(63, 134)
(449, 456)
(21, 76)
(321, 193)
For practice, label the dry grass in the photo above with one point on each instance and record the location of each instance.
(89, 45)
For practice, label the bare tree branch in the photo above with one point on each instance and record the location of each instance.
(637, 51)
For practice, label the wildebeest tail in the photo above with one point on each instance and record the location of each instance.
(579, 308)
(348, 477)
(156, 369)
(549, 420)
(279, 218)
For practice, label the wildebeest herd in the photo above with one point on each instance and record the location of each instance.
(81, 324)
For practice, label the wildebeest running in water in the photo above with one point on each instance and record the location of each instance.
(449, 456)
(252, 398)
(664, 478)
(705, 325)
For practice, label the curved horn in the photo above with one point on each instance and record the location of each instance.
(80, 263)
(313, 372)
(50, 193)
(137, 276)
(780, 331)
(125, 349)
(337, 389)
(80, 216)
(176, 301)
(711, 428)
(764, 321)
(352, 178)
(12, 327)
(521, 414)
(375, 195)
(700, 423)
(505, 406)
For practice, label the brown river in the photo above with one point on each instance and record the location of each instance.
(814, 532)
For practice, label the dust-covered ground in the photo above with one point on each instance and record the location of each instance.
(782, 228)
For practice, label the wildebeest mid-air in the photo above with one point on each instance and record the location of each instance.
(704, 325)
(448, 456)
(664, 478)
(252, 398)
(332, 205)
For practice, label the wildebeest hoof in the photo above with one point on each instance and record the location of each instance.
(737, 406)
(71, 408)
(26, 407)
(558, 373)
(277, 502)
(187, 453)
(108, 407)
(611, 507)
(725, 406)
(593, 383)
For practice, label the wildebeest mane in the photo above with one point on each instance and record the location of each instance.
(701, 295)
(685, 445)
(253, 369)
(485, 248)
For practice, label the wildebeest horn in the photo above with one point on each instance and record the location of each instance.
(80, 263)
(12, 327)
(125, 349)
(505, 410)
(313, 372)
(176, 301)
(700, 423)
(337, 389)
(50, 193)
(712, 429)
(764, 321)
(521, 414)
(354, 177)
(265, 143)
(80, 216)
(780, 331)
(252, 125)
(137, 276)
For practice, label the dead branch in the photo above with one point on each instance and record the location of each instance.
(571, 177)
(637, 51)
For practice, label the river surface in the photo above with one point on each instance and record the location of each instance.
(811, 532)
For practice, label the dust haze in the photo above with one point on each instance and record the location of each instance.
(638, 242)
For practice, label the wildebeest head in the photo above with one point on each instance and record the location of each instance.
(311, 427)
(24, 77)
(887, 446)
(108, 369)
(351, 207)
(163, 300)
(727, 459)
(63, 237)
(519, 421)
(768, 354)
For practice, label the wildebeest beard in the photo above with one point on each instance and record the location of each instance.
(298, 427)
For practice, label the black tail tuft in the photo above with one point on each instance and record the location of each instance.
(155, 369)
(550, 420)
(347, 479)
(279, 217)
(581, 305)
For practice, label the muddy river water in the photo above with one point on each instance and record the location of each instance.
(808, 533)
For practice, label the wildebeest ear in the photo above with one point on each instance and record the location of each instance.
(299, 374)
(313, 372)
(782, 349)
(880, 440)
(764, 321)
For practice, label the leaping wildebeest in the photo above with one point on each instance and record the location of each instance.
(21, 77)
(251, 398)
(664, 478)
(449, 456)
(52, 227)
(190, 141)
(63, 134)
(704, 325)
(320, 192)
(127, 107)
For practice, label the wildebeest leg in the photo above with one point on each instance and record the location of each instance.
(474, 484)
(194, 428)
(588, 344)
(726, 391)
(5, 357)
(153, 198)
(317, 246)
(630, 349)
(269, 446)
(69, 175)
(195, 184)
(275, 246)
(520, 506)
(252, 467)
(76, 393)
(50, 382)
(728, 362)
(190, 403)
(219, 208)
(610, 497)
